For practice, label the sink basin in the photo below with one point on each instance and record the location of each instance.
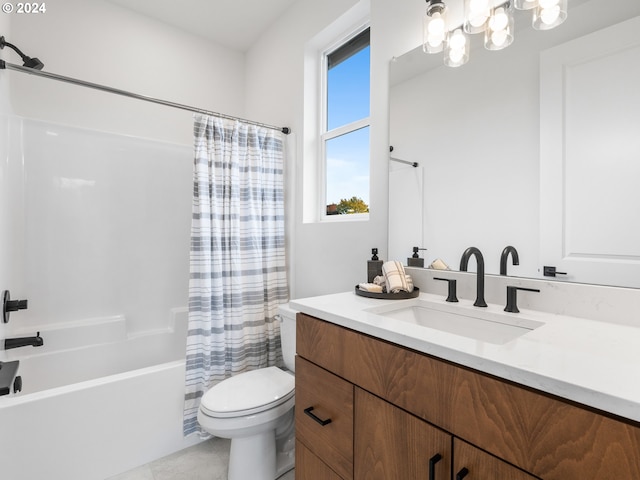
(471, 322)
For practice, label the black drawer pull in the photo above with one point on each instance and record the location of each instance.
(432, 465)
(462, 473)
(308, 411)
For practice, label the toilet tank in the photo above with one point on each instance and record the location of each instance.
(288, 335)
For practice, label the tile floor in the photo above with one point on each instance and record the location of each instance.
(205, 461)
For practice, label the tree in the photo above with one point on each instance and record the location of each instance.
(353, 205)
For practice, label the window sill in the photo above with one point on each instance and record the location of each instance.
(353, 217)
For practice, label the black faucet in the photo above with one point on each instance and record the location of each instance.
(464, 261)
(23, 342)
(505, 255)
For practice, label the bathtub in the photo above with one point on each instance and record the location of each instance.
(95, 402)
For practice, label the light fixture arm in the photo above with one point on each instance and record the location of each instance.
(27, 61)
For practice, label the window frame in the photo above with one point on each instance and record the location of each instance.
(327, 135)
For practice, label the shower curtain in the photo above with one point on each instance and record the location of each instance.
(238, 271)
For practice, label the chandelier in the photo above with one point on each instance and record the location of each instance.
(482, 16)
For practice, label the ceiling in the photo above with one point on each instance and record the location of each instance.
(235, 24)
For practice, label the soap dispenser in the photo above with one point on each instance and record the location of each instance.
(415, 260)
(374, 266)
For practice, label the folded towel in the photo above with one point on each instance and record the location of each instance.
(395, 277)
(379, 280)
(438, 264)
(409, 283)
(370, 287)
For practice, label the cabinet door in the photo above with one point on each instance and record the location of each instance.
(393, 444)
(310, 467)
(324, 416)
(470, 463)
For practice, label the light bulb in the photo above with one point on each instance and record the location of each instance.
(478, 5)
(499, 20)
(476, 13)
(550, 15)
(457, 40)
(435, 40)
(436, 25)
(499, 38)
(456, 55)
(478, 20)
(456, 49)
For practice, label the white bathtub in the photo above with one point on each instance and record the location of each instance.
(96, 402)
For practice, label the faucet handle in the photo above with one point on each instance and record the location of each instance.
(9, 305)
(451, 291)
(512, 297)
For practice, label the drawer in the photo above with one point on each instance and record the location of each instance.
(324, 416)
(481, 465)
(310, 467)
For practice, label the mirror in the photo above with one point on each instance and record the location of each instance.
(489, 161)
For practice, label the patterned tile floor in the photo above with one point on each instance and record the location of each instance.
(205, 461)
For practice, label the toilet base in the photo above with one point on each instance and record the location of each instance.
(271, 455)
(260, 465)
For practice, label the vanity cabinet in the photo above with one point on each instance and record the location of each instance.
(393, 410)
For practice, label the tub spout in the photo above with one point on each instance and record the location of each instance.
(23, 342)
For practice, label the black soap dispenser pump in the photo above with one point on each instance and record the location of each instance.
(374, 266)
(415, 260)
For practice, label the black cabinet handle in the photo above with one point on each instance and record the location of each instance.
(432, 465)
(462, 473)
(308, 411)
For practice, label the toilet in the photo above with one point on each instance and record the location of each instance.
(255, 410)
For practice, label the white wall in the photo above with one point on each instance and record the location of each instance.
(328, 257)
(101, 42)
(95, 215)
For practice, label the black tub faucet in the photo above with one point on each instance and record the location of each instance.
(505, 256)
(464, 262)
(17, 342)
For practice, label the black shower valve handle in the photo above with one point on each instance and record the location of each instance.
(15, 305)
(9, 305)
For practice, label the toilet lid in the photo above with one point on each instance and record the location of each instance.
(249, 392)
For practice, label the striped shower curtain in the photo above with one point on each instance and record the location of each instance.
(238, 272)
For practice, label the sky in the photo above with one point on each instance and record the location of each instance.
(348, 155)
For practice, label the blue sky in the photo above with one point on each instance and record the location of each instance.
(348, 155)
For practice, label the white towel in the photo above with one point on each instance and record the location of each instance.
(438, 264)
(379, 280)
(395, 277)
(409, 283)
(370, 287)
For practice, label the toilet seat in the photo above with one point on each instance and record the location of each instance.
(248, 393)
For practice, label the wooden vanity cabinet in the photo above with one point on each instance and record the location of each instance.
(396, 409)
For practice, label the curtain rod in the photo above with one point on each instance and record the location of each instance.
(124, 93)
(413, 164)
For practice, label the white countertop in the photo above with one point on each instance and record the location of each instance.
(590, 362)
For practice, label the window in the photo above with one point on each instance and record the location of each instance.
(345, 127)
